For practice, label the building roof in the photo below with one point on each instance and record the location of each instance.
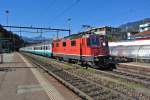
(145, 33)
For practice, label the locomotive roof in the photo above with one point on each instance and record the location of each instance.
(73, 36)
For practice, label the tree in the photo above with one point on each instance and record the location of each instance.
(110, 37)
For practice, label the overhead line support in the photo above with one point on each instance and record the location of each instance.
(54, 29)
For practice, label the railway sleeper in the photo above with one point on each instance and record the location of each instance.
(80, 81)
(85, 85)
(82, 87)
(74, 79)
(62, 74)
(88, 90)
(147, 80)
(57, 70)
(94, 89)
(94, 93)
(110, 97)
(75, 84)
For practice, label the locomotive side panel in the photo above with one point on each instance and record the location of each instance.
(67, 49)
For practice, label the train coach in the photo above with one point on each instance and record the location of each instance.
(140, 53)
(43, 49)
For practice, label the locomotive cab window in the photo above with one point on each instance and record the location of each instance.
(64, 44)
(73, 43)
(93, 41)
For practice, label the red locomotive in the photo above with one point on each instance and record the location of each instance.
(91, 49)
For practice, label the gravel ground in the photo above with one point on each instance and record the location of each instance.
(129, 88)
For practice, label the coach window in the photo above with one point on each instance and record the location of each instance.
(64, 44)
(57, 44)
(73, 43)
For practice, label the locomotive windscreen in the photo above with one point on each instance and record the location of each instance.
(93, 41)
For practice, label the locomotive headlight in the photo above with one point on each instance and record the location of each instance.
(104, 44)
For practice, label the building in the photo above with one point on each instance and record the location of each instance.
(5, 45)
(142, 35)
(114, 34)
(9, 40)
(130, 35)
(144, 27)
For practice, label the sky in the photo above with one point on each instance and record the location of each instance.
(55, 13)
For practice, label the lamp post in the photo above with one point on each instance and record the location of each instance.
(7, 14)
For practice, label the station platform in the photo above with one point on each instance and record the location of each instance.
(135, 65)
(20, 80)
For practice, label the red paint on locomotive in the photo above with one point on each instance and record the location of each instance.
(81, 47)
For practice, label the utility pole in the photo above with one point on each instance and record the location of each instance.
(1, 48)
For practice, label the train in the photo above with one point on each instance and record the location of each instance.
(130, 43)
(129, 51)
(86, 49)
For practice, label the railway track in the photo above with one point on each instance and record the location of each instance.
(143, 79)
(132, 77)
(125, 76)
(86, 89)
(140, 78)
(132, 70)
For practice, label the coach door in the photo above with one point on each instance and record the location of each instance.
(82, 48)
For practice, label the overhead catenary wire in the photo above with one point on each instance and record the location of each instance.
(64, 11)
